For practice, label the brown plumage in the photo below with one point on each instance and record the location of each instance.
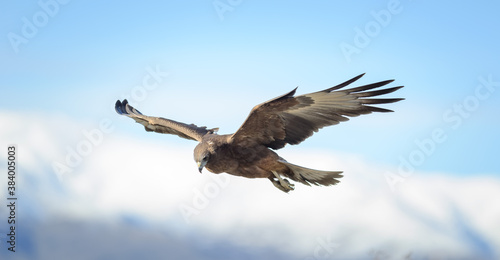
(273, 124)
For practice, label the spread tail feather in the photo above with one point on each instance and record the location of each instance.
(309, 176)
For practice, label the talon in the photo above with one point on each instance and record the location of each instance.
(278, 185)
(291, 185)
(282, 184)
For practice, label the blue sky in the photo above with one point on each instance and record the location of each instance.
(215, 60)
(91, 51)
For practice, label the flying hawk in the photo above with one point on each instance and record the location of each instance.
(287, 119)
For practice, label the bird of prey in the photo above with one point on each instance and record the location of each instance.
(287, 119)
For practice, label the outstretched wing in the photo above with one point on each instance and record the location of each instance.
(162, 125)
(290, 120)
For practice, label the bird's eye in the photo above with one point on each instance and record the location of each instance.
(205, 158)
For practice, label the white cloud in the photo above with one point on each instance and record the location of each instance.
(431, 214)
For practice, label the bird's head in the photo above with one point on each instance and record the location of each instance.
(201, 155)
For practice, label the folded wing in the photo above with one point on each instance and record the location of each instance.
(290, 120)
(163, 125)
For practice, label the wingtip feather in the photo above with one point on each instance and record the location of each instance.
(343, 84)
(119, 107)
(123, 108)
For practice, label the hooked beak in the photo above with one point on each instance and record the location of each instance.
(201, 165)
